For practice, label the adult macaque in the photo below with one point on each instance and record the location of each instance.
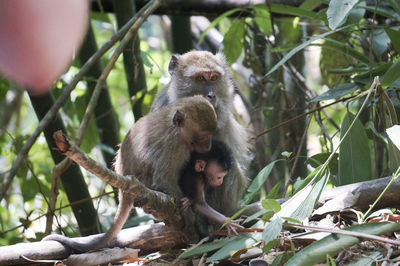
(155, 150)
(202, 174)
(206, 74)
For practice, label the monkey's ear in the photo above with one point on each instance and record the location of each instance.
(173, 63)
(179, 118)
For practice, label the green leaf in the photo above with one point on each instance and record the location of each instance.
(311, 4)
(354, 153)
(368, 259)
(291, 220)
(300, 47)
(233, 45)
(333, 244)
(262, 18)
(394, 36)
(345, 49)
(292, 11)
(274, 193)
(337, 92)
(391, 75)
(218, 20)
(256, 215)
(271, 204)
(380, 41)
(356, 14)
(395, 4)
(301, 205)
(235, 243)
(268, 215)
(383, 11)
(204, 248)
(272, 230)
(320, 158)
(257, 183)
(338, 11)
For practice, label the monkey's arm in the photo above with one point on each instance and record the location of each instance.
(202, 207)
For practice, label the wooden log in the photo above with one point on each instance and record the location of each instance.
(147, 238)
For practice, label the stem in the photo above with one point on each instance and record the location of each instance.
(394, 177)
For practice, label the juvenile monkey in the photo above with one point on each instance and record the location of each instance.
(206, 74)
(155, 150)
(202, 174)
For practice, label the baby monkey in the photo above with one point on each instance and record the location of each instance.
(204, 172)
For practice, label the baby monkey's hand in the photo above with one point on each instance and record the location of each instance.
(185, 203)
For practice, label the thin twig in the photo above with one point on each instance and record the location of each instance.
(301, 116)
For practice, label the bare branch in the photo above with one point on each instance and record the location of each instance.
(147, 238)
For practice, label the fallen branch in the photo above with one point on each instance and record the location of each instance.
(148, 238)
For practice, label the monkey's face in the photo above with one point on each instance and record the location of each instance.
(197, 122)
(214, 174)
(200, 73)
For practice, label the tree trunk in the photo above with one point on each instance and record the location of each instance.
(133, 63)
(72, 179)
(181, 34)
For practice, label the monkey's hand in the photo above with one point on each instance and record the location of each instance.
(233, 226)
(185, 203)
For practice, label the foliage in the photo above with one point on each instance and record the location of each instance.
(356, 42)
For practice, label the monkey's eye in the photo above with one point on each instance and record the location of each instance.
(214, 77)
(199, 78)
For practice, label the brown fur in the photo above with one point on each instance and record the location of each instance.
(183, 68)
(155, 150)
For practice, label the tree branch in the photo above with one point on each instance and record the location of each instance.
(160, 205)
(147, 238)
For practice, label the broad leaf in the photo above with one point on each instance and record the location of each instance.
(345, 49)
(262, 17)
(302, 203)
(380, 42)
(395, 4)
(383, 11)
(320, 158)
(333, 244)
(338, 11)
(292, 11)
(258, 182)
(233, 45)
(391, 75)
(299, 48)
(204, 248)
(218, 20)
(354, 153)
(272, 230)
(394, 36)
(236, 243)
(337, 92)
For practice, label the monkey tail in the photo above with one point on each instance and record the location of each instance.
(120, 218)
